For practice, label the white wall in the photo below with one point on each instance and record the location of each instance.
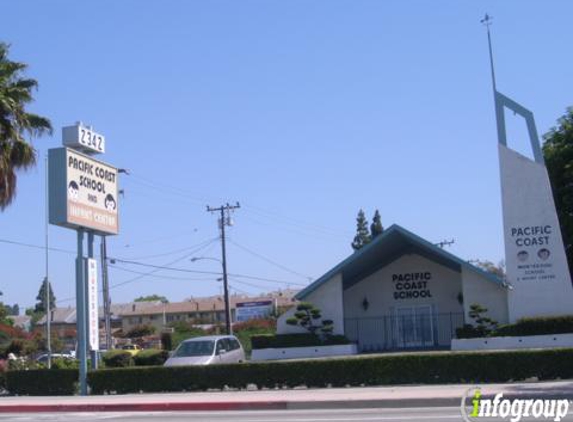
(327, 298)
(378, 288)
(492, 296)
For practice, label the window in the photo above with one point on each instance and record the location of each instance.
(222, 344)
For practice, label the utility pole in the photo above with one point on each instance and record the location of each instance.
(225, 220)
(106, 298)
(46, 279)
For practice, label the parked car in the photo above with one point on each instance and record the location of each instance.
(134, 349)
(208, 350)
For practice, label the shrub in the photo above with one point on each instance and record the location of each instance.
(295, 340)
(537, 326)
(42, 382)
(246, 330)
(307, 316)
(421, 368)
(151, 357)
(117, 359)
(140, 331)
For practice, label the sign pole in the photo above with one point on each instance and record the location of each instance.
(81, 313)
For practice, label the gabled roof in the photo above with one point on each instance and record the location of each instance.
(386, 248)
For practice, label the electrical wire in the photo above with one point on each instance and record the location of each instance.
(270, 261)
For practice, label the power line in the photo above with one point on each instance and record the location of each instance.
(30, 245)
(270, 261)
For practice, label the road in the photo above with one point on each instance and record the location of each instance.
(338, 415)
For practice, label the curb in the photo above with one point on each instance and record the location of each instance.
(141, 407)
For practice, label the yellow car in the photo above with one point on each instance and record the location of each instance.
(133, 349)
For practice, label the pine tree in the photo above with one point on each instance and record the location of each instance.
(376, 227)
(41, 298)
(362, 237)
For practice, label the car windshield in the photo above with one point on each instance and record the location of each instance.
(195, 348)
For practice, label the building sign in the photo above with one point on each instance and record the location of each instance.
(252, 310)
(412, 285)
(93, 318)
(83, 138)
(83, 192)
(532, 247)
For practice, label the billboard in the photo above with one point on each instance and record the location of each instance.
(83, 192)
(252, 310)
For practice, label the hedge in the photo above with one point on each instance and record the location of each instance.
(117, 359)
(270, 341)
(42, 382)
(420, 368)
(151, 357)
(536, 326)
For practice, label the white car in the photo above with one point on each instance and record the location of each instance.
(208, 350)
(44, 358)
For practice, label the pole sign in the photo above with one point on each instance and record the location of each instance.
(83, 138)
(93, 317)
(253, 310)
(83, 192)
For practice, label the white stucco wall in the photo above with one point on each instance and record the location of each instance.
(479, 290)
(327, 298)
(378, 288)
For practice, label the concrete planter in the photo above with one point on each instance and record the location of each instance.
(511, 343)
(304, 352)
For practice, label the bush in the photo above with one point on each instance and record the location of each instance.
(42, 382)
(295, 340)
(140, 331)
(151, 357)
(422, 368)
(523, 327)
(117, 359)
(246, 330)
(537, 326)
(167, 341)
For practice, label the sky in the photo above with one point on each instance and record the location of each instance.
(302, 111)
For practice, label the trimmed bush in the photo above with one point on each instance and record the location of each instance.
(536, 326)
(277, 341)
(151, 357)
(117, 359)
(422, 368)
(42, 382)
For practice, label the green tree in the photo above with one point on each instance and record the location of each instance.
(152, 298)
(309, 317)
(40, 307)
(558, 152)
(376, 227)
(16, 153)
(495, 269)
(362, 237)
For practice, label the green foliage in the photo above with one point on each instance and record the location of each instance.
(422, 368)
(496, 269)
(151, 357)
(140, 331)
(117, 359)
(185, 330)
(307, 316)
(16, 153)
(279, 341)
(537, 326)
(376, 227)
(40, 307)
(483, 326)
(247, 329)
(558, 152)
(362, 237)
(42, 382)
(152, 298)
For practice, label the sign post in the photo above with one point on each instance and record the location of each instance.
(83, 195)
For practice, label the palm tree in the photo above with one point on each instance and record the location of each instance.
(16, 153)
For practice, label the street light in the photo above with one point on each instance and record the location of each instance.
(228, 325)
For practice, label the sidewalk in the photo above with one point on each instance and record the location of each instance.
(368, 397)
